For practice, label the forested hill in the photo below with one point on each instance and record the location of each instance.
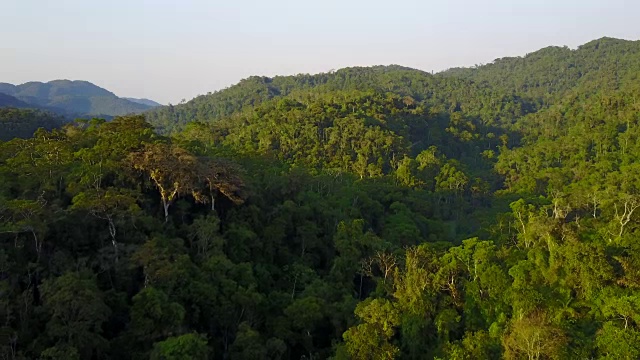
(10, 101)
(371, 213)
(22, 123)
(529, 82)
(72, 98)
(147, 102)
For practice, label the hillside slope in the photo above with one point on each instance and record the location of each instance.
(10, 101)
(147, 102)
(370, 213)
(72, 98)
(529, 83)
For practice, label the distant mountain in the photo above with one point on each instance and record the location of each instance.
(10, 101)
(147, 102)
(72, 98)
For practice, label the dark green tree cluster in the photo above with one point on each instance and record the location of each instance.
(23, 123)
(119, 243)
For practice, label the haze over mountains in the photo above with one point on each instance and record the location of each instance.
(530, 83)
(552, 69)
(147, 102)
(10, 101)
(73, 98)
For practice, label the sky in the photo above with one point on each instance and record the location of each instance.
(173, 50)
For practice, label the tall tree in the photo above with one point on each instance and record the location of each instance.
(171, 169)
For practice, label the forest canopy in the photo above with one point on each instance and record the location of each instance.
(368, 213)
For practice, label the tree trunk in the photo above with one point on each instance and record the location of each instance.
(166, 205)
(112, 232)
(38, 245)
(293, 291)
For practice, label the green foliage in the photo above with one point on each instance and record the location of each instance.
(370, 340)
(370, 213)
(77, 312)
(23, 123)
(616, 342)
(184, 347)
(154, 316)
(248, 344)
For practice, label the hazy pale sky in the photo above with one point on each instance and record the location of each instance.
(169, 50)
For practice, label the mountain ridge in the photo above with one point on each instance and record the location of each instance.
(367, 213)
(72, 98)
(143, 101)
(10, 101)
(555, 68)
